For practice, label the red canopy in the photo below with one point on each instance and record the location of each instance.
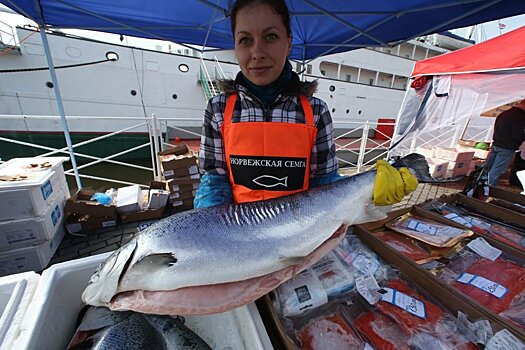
(504, 52)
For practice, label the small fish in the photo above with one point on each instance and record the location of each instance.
(270, 181)
(238, 242)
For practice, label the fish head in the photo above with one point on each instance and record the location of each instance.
(104, 283)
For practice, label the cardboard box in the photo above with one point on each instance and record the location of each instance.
(184, 204)
(449, 297)
(458, 168)
(467, 143)
(173, 187)
(77, 223)
(57, 303)
(437, 167)
(26, 232)
(33, 258)
(452, 154)
(129, 199)
(179, 161)
(428, 152)
(180, 195)
(157, 198)
(513, 197)
(147, 214)
(81, 203)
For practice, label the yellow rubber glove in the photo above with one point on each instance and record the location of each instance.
(392, 185)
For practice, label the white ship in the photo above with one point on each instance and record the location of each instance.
(358, 86)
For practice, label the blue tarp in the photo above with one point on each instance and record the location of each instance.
(319, 27)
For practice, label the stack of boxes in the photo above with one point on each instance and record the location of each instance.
(446, 162)
(87, 214)
(181, 171)
(33, 192)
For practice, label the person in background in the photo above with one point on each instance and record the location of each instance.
(265, 135)
(509, 133)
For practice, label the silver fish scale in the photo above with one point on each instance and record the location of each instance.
(237, 242)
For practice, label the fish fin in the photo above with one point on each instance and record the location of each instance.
(418, 165)
(152, 262)
(291, 260)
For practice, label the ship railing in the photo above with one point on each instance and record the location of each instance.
(7, 35)
(362, 144)
(140, 125)
(358, 148)
(206, 81)
(219, 72)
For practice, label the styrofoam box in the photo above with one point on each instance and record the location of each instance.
(29, 198)
(57, 302)
(437, 167)
(25, 232)
(458, 168)
(16, 292)
(33, 258)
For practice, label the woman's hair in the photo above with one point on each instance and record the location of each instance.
(279, 6)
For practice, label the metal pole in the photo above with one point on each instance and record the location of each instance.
(60, 105)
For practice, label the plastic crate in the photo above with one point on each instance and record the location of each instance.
(57, 302)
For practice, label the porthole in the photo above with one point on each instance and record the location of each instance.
(347, 111)
(49, 84)
(111, 56)
(183, 68)
(333, 110)
(133, 93)
(359, 112)
(331, 88)
(174, 96)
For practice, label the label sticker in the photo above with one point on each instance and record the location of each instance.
(109, 223)
(55, 215)
(367, 286)
(368, 347)
(364, 263)
(483, 248)
(504, 340)
(484, 284)
(46, 189)
(459, 219)
(421, 227)
(478, 332)
(407, 303)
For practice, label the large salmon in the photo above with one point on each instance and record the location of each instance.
(238, 242)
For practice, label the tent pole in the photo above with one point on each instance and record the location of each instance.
(59, 104)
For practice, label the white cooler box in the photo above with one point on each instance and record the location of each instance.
(16, 292)
(57, 302)
(22, 199)
(26, 232)
(32, 258)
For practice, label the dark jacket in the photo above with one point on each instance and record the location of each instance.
(509, 129)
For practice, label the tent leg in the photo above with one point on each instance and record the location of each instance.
(59, 104)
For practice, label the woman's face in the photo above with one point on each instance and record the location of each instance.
(262, 44)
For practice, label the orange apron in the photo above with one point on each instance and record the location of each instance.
(267, 159)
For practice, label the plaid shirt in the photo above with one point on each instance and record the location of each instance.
(248, 108)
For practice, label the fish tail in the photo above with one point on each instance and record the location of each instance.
(418, 164)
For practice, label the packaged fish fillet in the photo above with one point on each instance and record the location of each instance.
(428, 231)
(480, 224)
(413, 249)
(329, 330)
(498, 283)
(329, 278)
(405, 319)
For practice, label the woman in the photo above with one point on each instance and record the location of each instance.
(266, 136)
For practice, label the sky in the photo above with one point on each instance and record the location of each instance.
(482, 32)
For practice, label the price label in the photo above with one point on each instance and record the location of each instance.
(484, 284)
(407, 303)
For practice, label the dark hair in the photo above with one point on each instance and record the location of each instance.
(279, 6)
